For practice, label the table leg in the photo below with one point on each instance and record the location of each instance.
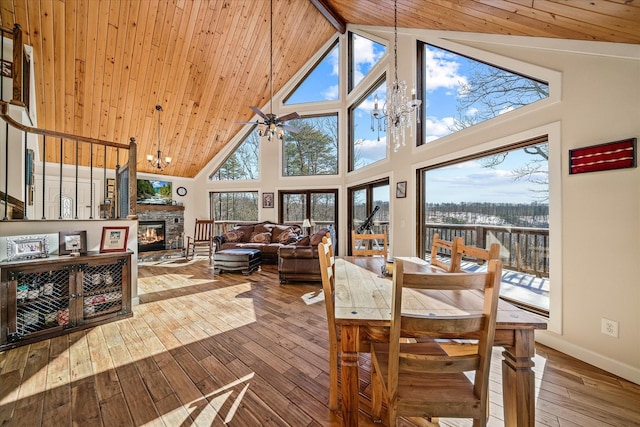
(350, 375)
(518, 380)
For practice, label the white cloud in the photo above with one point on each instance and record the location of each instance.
(331, 93)
(442, 72)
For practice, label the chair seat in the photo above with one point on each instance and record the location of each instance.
(453, 391)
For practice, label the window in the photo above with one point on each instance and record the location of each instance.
(234, 206)
(459, 92)
(368, 141)
(496, 197)
(314, 149)
(362, 202)
(322, 82)
(243, 163)
(363, 55)
(319, 206)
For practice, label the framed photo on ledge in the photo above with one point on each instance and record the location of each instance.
(114, 239)
(72, 242)
(29, 247)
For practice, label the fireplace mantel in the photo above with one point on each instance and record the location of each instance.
(159, 208)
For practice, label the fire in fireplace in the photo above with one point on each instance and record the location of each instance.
(150, 236)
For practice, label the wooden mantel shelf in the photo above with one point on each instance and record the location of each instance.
(159, 208)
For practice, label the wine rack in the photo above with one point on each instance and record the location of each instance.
(43, 298)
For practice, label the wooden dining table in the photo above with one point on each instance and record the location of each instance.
(362, 309)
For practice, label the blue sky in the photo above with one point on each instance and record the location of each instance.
(446, 72)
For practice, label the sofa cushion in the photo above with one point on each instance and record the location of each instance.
(245, 232)
(283, 232)
(316, 237)
(233, 236)
(286, 237)
(264, 237)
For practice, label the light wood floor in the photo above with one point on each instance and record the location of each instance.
(204, 350)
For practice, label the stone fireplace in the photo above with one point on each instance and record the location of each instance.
(172, 217)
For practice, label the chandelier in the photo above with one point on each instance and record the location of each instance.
(158, 162)
(396, 112)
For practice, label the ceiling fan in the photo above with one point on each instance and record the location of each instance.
(272, 125)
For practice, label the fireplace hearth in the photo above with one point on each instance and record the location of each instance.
(151, 236)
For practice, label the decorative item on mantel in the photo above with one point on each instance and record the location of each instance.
(397, 110)
(158, 162)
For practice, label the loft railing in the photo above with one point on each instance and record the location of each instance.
(523, 249)
(57, 150)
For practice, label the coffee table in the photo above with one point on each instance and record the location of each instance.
(244, 260)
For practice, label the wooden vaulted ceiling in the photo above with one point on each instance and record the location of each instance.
(102, 65)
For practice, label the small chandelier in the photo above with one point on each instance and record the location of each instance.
(397, 110)
(157, 162)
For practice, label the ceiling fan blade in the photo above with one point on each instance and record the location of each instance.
(289, 116)
(248, 123)
(258, 112)
(290, 128)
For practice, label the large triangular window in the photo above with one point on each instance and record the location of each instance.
(243, 163)
(363, 55)
(322, 82)
(460, 92)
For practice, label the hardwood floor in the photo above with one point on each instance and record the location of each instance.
(207, 350)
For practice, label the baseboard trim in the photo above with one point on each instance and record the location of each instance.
(623, 370)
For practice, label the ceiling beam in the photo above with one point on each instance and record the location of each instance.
(330, 15)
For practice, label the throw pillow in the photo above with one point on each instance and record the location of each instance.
(316, 238)
(246, 231)
(260, 238)
(287, 237)
(233, 236)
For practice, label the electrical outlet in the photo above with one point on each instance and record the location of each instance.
(609, 327)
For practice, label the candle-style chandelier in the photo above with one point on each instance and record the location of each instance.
(396, 112)
(158, 162)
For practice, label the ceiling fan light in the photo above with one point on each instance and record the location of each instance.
(149, 157)
(167, 160)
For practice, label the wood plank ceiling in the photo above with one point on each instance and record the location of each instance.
(102, 65)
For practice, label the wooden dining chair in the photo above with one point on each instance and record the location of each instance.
(447, 247)
(481, 255)
(420, 379)
(202, 238)
(327, 271)
(369, 244)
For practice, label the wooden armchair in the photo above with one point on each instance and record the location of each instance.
(202, 238)
(369, 244)
(420, 379)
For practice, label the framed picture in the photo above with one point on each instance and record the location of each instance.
(114, 239)
(401, 189)
(27, 247)
(72, 242)
(6, 68)
(267, 200)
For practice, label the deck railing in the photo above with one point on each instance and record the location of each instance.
(523, 249)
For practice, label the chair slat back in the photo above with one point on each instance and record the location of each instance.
(204, 230)
(369, 244)
(479, 325)
(480, 254)
(447, 247)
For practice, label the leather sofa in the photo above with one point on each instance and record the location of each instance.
(267, 237)
(299, 262)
